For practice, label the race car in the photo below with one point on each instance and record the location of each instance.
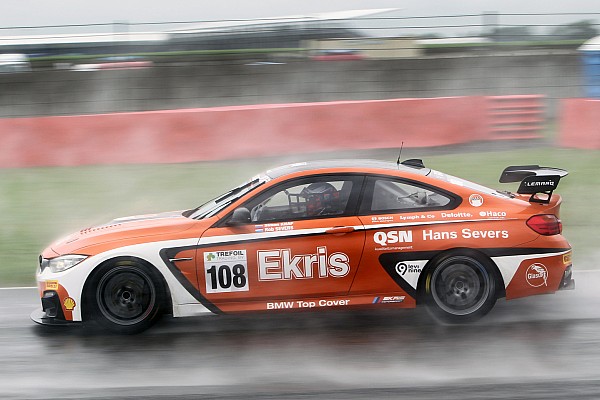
(340, 234)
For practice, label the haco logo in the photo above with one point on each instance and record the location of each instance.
(537, 275)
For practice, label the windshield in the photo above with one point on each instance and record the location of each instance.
(215, 205)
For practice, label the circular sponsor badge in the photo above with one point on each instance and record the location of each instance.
(537, 275)
(476, 200)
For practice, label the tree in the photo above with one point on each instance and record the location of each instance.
(580, 30)
(511, 34)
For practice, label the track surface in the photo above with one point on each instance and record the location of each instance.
(546, 347)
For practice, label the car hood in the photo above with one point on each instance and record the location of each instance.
(126, 230)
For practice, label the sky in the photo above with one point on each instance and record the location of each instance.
(61, 12)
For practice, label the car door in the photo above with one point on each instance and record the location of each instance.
(399, 216)
(301, 240)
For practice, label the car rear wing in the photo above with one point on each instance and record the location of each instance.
(534, 180)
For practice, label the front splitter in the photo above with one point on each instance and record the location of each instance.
(39, 317)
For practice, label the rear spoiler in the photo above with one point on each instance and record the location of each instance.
(534, 179)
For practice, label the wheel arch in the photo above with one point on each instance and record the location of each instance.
(425, 274)
(166, 297)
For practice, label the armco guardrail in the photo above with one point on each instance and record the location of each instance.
(516, 117)
(579, 124)
(241, 132)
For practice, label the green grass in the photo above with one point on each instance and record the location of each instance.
(38, 205)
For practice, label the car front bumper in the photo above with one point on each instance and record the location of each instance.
(52, 312)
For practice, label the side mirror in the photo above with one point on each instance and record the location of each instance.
(240, 216)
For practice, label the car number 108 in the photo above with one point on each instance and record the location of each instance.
(226, 275)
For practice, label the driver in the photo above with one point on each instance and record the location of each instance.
(321, 198)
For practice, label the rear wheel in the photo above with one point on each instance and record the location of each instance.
(126, 297)
(461, 288)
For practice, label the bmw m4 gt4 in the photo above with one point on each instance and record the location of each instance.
(318, 235)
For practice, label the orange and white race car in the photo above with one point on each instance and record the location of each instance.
(318, 235)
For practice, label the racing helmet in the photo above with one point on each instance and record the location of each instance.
(321, 198)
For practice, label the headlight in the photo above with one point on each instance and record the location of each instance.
(63, 263)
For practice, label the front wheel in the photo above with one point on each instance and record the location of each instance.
(460, 288)
(126, 298)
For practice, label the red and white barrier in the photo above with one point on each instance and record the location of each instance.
(239, 132)
(580, 124)
(516, 117)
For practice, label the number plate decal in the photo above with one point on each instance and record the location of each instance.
(226, 271)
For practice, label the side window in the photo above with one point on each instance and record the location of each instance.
(304, 198)
(397, 196)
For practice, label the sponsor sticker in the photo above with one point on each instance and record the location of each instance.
(391, 237)
(494, 214)
(283, 264)
(226, 271)
(51, 285)
(476, 200)
(274, 227)
(382, 218)
(402, 268)
(537, 275)
(69, 304)
(388, 299)
(418, 217)
(283, 305)
(409, 271)
(392, 299)
(456, 215)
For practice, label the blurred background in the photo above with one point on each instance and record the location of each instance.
(290, 59)
(101, 119)
(135, 107)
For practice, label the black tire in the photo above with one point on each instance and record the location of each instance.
(461, 288)
(126, 297)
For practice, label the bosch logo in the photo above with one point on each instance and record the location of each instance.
(537, 275)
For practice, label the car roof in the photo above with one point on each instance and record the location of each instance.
(342, 163)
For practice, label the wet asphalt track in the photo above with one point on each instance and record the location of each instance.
(547, 347)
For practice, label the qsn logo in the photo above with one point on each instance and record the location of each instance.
(275, 265)
(385, 238)
(537, 275)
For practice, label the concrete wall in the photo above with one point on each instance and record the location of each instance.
(225, 83)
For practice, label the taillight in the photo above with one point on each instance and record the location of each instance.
(545, 224)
